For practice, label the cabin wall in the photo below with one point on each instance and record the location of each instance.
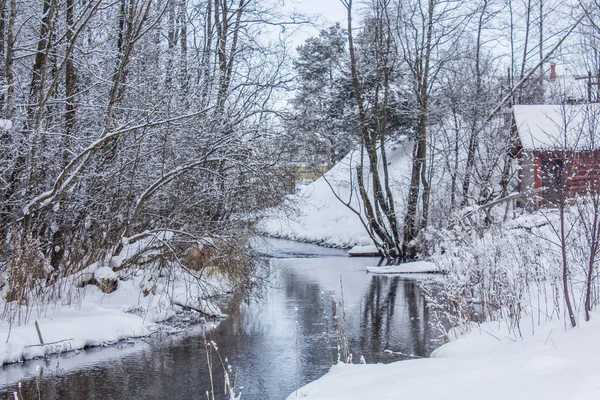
(543, 176)
(528, 171)
(583, 172)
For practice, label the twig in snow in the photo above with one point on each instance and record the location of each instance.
(548, 338)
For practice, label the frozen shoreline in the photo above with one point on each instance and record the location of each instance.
(415, 267)
(488, 362)
(78, 359)
(99, 306)
(95, 319)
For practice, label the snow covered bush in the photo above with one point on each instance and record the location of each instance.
(147, 157)
(513, 270)
(156, 274)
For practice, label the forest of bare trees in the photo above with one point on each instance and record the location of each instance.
(128, 117)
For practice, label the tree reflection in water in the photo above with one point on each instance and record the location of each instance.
(382, 328)
(259, 339)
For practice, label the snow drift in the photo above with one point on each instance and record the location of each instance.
(323, 218)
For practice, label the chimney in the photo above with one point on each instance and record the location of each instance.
(552, 71)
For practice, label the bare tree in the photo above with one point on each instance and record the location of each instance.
(426, 32)
(133, 142)
(379, 211)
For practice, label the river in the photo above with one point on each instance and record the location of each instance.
(274, 342)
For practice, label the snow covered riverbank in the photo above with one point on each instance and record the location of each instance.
(509, 274)
(100, 306)
(415, 267)
(71, 329)
(322, 217)
(95, 318)
(487, 363)
(132, 295)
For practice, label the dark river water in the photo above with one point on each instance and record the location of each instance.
(276, 341)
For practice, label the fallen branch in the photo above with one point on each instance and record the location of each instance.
(493, 203)
(189, 307)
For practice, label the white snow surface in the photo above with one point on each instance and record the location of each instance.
(535, 356)
(416, 267)
(487, 363)
(105, 273)
(100, 319)
(363, 250)
(322, 218)
(547, 127)
(6, 124)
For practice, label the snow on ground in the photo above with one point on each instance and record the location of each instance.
(93, 319)
(324, 219)
(416, 267)
(488, 363)
(86, 317)
(70, 330)
(363, 251)
(514, 265)
(533, 355)
(65, 363)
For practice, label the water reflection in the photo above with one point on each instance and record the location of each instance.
(395, 318)
(262, 338)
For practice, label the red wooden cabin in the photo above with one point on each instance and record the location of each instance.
(558, 150)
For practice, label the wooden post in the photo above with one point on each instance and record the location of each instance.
(37, 328)
(598, 86)
(589, 88)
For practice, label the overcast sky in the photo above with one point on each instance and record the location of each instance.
(325, 13)
(331, 10)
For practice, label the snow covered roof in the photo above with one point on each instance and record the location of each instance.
(549, 127)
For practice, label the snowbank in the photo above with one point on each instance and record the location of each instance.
(93, 326)
(96, 319)
(529, 354)
(485, 364)
(363, 251)
(86, 316)
(417, 267)
(323, 218)
(105, 273)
